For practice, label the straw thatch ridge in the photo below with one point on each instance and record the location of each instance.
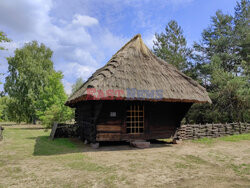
(135, 66)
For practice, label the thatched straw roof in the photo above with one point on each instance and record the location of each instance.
(135, 66)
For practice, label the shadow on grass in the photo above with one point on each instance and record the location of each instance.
(45, 146)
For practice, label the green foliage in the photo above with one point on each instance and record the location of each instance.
(77, 85)
(28, 72)
(231, 94)
(201, 113)
(13, 111)
(8, 110)
(3, 108)
(217, 40)
(242, 32)
(50, 106)
(171, 46)
(34, 87)
(222, 59)
(52, 94)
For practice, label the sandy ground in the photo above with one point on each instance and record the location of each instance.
(29, 159)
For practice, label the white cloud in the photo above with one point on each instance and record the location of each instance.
(76, 52)
(78, 70)
(21, 15)
(67, 86)
(11, 46)
(84, 56)
(73, 36)
(84, 20)
(110, 42)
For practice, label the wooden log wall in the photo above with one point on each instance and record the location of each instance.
(85, 121)
(164, 118)
(211, 130)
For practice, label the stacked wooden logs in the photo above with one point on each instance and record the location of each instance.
(66, 130)
(211, 130)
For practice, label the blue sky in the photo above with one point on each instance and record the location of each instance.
(84, 34)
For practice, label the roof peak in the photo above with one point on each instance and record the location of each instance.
(137, 36)
(138, 43)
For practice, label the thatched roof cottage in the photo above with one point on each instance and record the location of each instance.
(136, 95)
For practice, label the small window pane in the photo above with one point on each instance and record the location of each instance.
(135, 119)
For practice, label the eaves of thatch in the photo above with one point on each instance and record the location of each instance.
(135, 66)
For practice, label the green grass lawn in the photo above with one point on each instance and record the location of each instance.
(22, 146)
(28, 158)
(232, 138)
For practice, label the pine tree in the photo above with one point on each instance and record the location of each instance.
(221, 58)
(242, 34)
(171, 46)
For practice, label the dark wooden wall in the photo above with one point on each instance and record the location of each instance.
(86, 115)
(161, 119)
(110, 128)
(164, 118)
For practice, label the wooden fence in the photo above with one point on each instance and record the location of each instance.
(211, 130)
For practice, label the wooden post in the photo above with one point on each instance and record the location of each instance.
(1, 133)
(53, 131)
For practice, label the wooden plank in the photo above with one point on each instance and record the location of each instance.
(146, 136)
(133, 137)
(108, 128)
(108, 137)
(108, 134)
(107, 121)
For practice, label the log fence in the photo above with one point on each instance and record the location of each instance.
(196, 131)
